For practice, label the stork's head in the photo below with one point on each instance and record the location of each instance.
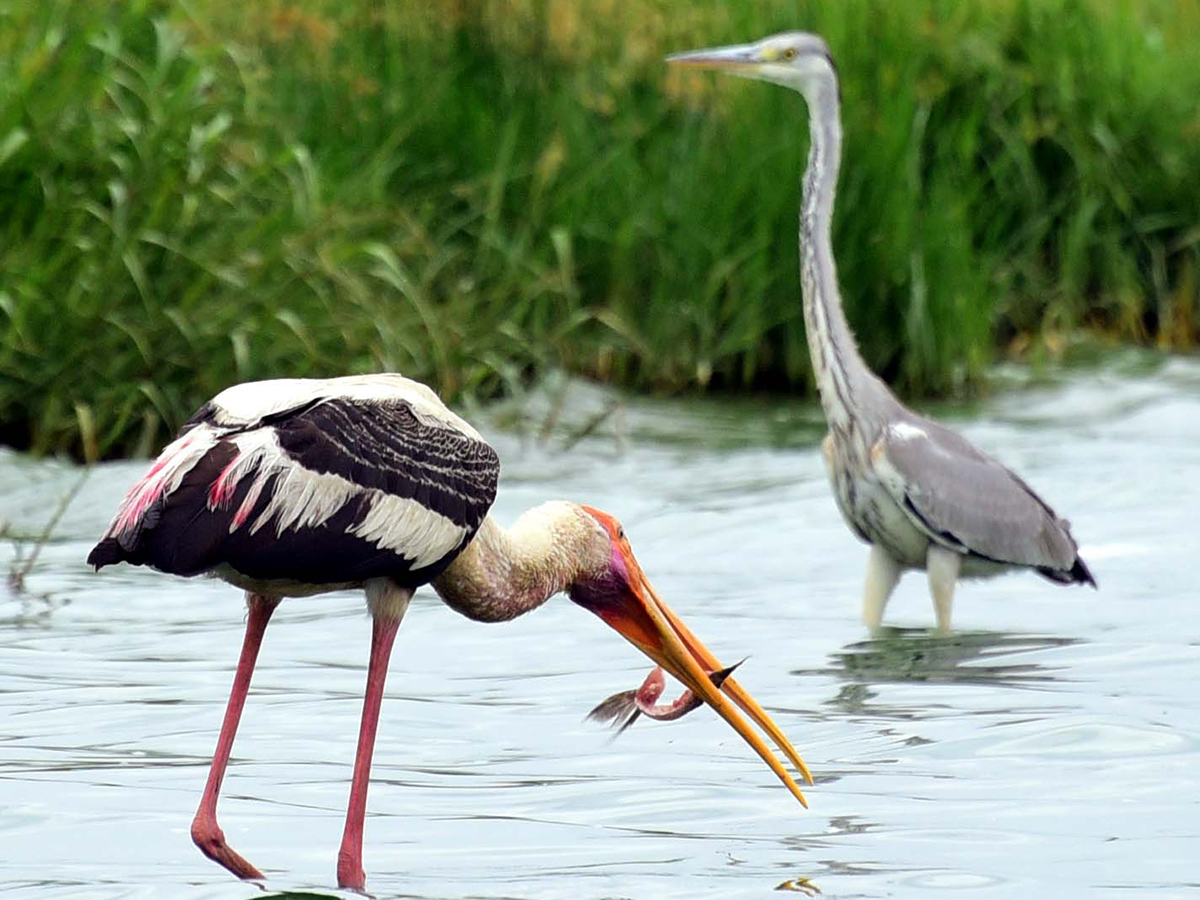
(612, 585)
(795, 59)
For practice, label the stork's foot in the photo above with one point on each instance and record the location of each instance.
(207, 835)
(350, 873)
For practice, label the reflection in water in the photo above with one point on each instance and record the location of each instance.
(800, 885)
(900, 655)
(28, 610)
(1022, 764)
(912, 654)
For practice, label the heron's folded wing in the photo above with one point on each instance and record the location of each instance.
(967, 501)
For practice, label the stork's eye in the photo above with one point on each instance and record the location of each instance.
(789, 53)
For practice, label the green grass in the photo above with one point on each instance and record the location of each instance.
(470, 192)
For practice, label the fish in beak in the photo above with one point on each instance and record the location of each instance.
(624, 598)
(644, 701)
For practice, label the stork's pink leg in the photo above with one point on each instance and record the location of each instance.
(205, 831)
(349, 870)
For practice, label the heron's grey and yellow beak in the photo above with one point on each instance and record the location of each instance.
(733, 59)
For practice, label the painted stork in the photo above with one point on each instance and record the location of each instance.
(294, 487)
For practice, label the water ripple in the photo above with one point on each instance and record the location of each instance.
(1047, 750)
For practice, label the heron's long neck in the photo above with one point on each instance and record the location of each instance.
(843, 379)
(503, 572)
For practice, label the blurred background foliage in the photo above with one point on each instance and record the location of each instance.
(472, 191)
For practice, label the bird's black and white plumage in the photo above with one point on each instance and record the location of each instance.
(302, 485)
(288, 488)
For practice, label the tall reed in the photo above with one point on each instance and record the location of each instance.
(469, 192)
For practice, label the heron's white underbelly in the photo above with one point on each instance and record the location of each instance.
(871, 511)
(886, 524)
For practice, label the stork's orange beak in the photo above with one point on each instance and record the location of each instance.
(638, 614)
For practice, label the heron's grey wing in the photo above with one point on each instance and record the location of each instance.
(967, 501)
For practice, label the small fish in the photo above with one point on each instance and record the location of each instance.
(643, 701)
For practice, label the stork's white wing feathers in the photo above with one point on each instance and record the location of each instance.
(321, 481)
(253, 401)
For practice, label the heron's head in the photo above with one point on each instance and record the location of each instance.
(795, 59)
(612, 585)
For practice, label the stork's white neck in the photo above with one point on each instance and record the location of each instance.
(503, 573)
(843, 379)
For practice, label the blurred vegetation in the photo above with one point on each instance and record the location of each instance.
(470, 191)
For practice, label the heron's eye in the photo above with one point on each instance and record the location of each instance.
(789, 53)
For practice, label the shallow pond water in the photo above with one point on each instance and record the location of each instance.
(1048, 749)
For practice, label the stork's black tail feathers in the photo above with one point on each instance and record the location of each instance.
(105, 553)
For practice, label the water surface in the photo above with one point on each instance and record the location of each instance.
(1047, 749)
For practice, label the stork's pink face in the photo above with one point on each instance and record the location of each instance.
(623, 597)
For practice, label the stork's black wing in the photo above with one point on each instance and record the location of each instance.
(332, 490)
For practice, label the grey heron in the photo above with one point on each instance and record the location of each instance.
(920, 494)
(295, 487)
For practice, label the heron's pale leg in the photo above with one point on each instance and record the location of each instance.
(882, 574)
(387, 607)
(942, 566)
(206, 834)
